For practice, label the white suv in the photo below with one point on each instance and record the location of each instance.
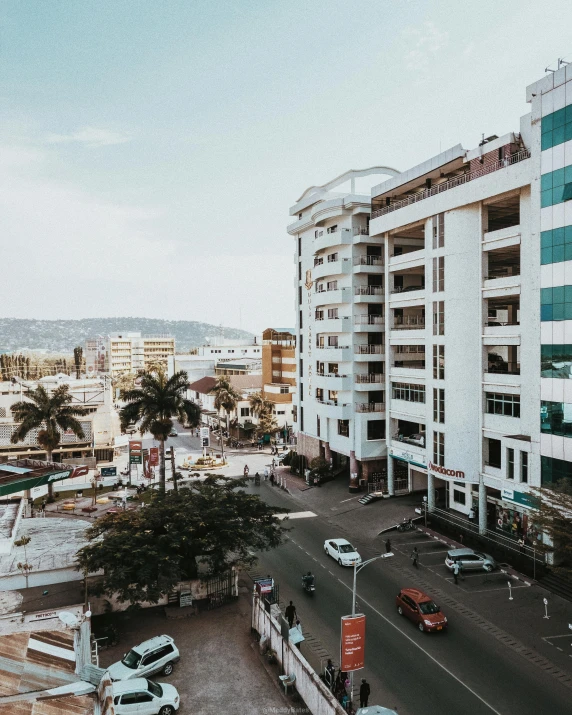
(157, 655)
(143, 697)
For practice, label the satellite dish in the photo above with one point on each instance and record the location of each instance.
(68, 619)
(87, 614)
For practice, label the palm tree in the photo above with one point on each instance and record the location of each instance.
(53, 414)
(155, 403)
(226, 398)
(259, 405)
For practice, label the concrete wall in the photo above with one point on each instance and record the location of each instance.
(318, 698)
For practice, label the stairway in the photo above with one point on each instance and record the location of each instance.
(560, 584)
(368, 498)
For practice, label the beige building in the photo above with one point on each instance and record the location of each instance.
(279, 372)
(127, 352)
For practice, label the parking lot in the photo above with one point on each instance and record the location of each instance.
(220, 671)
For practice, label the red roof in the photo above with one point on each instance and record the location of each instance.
(203, 386)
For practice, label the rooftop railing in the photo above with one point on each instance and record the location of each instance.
(452, 183)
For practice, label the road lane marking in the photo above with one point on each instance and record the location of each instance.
(296, 515)
(443, 667)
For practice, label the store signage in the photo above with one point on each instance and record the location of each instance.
(453, 473)
(185, 599)
(153, 456)
(352, 656)
(526, 500)
(108, 471)
(135, 452)
(43, 615)
(80, 471)
(412, 457)
(58, 475)
(264, 585)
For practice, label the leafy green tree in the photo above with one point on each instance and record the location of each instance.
(52, 413)
(226, 399)
(259, 404)
(154, 404)
(319, 468)
(554, 519)
(145, 553)
(266, 424)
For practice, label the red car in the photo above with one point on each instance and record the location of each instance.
(420, 609)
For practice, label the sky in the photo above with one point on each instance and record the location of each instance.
(150, 151)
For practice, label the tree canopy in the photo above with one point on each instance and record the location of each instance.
(145, 553)
(554, 518)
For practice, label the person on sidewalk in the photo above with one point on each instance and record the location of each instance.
(415, 557)
(456, 570)
(388, 547)
(364, 691)
(290, 614)
(472, 515)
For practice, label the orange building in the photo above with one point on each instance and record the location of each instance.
(279, 372)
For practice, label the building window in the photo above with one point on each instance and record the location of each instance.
(554, 470)
(317, 425)
(524, 467)
(556, 418)
(409, 393)
(299, 271)
(320, 394)
(439, 274)
(299, 295)
(438, 405)
(300, 246)
(459, 496)
(556, 303)
(556, 187)
(438, 362)
(492, 452)
(284, 389)
(556, 128)
(245, 412)
(301, 391)
(301, 343)
(332, 257)
(344, 428)
(319, 315)
(294, 413)
(332, 341)
(301, 322)
(332, 313)
(332, 285)
(376, 429)
(301, 368)
(438, 231)
(556, 361)
(507, 405)
(438, 317)
(439, 449)
(333, 368)
(333, 228)
(301, 418)
(510, 463)
(319, 368)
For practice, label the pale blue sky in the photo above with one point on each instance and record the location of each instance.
(149, 151)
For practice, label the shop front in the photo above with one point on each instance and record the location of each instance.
(514, 516)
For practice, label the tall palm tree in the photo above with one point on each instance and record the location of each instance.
(259, 405)
(155, 403)
(53, 414)
(226, 398)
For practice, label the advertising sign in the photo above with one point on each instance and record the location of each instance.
(153, 456)
(135, 452)
(108, 471)
(264, 585)
(352, 654)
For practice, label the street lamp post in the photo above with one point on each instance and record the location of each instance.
(357, 569)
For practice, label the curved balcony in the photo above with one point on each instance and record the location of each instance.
(333, 381)
(361, 407)
(330, 297)
(333, 353)
(323, 268)
(342, 324)
(335, 410)
(329, 239)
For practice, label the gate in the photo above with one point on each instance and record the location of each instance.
(219, 590)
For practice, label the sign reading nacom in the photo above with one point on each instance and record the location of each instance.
(444, 472)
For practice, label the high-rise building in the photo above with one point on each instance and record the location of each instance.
(127, 352)
(279, 373)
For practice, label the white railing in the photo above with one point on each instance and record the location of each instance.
(369, 349)
(408, 322)
(372, 377)
(369, 406)
(359, 231)
(368, 260)
(368, 319)
(369, 290)
(332, 347)
(452, 183)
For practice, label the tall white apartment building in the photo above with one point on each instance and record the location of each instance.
(127, 352)
(340, 401)
(472, 382)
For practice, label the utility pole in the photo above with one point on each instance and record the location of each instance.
(173, 468)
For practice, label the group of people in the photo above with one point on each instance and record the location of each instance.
(340, 683)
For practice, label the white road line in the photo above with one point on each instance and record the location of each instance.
(443, 667)
(350, 499)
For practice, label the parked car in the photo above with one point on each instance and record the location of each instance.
(421, 609)
(144, 697)
(470, 560)
(157, 655)
(342, 551)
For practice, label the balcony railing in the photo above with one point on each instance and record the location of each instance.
(418, 440)
(368, 260)
(369, 349)
(410, 364)
(369, 290)
(495, 273)
(499, 324)
(332, 347)
(318, 262)
(368, 319)
(371, 378)
(506, 368)
(408, 322)
(332, 403)
(330, 374)
(408, 289)
(369, 407)
(360, 231)
(452, 183)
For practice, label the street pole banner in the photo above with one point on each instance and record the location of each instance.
(352, 655)
(153, 456)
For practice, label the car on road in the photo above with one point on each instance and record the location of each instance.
(156, 655)
(144, 697)
(470, 560)
(342, 551)
(173, 433)
(421, 609)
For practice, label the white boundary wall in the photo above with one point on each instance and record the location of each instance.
(315, 694)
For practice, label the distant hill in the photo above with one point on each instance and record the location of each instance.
(63, 335)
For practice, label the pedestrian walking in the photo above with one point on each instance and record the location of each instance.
(521, 545)
(456, 569)
(388, 546)
(471, 515)
(364, 691)
(415, 557)
(290, 614)
(266, 473)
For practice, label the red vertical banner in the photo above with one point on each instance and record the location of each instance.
(352, 656)
(154, 456)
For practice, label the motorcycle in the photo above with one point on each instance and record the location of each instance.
(308, 585)
(406, 525)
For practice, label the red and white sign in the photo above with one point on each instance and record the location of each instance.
(135, 445)
(443, 472)
(80, 471)
(352, 655)
(153, 456)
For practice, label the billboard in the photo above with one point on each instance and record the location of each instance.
(135, 452)
(153, 456)
(352, 654)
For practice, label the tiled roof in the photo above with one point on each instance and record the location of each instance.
(203, 386)
(246, 382)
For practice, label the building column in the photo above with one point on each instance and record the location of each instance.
(430, 492)
(327, 452)
(482, 507)
(390, 477)
(354, 473)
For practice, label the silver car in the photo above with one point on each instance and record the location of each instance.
(470, 560)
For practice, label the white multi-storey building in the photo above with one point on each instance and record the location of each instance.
(466, 269)
(127, 352)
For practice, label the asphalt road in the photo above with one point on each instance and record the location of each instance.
(464, 670)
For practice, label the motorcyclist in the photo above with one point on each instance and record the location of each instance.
(308, 579)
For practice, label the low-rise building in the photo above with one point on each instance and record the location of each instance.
(127, 352)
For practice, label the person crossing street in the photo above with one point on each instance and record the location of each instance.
(415, 557)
